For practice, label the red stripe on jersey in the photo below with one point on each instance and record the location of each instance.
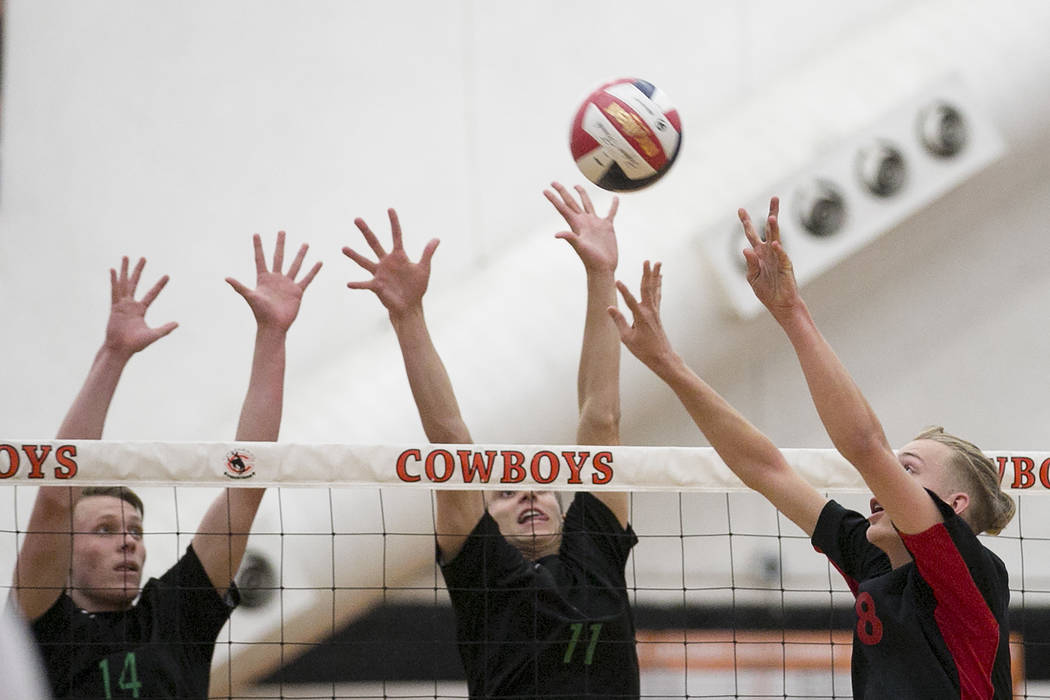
(850, 581)
(968, 626)
(632, 127)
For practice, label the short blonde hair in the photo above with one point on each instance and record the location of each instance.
(991, 509)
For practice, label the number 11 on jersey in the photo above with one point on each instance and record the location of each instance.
(577, 629)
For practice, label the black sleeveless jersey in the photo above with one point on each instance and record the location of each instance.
(559, 627)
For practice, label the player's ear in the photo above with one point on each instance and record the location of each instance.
(959, 502)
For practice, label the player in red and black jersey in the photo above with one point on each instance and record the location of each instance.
(933, 627)
(77, 577)
(931, 600)
(540, 598)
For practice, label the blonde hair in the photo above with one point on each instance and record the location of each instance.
(991, 509)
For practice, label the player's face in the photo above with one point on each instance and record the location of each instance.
(108, 554)
(530, 520)
(927, 461)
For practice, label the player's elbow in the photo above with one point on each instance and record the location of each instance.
(863, 446)
(55, 500)
(599, 425)
(450, 431)
(765, 473)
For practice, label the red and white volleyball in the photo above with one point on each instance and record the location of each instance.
(626, 135)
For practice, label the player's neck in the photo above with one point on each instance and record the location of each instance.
(896, 551)
(94, 604)
(536, 548)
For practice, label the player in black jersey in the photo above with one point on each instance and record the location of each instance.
(931, 600)
(540, 599)
(78, 572)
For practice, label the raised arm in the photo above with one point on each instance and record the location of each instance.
(850, 422)
(400, 285)
(42, 569)
(223, 532)
(126, 334)
(748, 452)
(593, 237)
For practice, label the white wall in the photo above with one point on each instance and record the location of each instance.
(175, 130)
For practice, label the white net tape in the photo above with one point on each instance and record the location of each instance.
(730, 599)
(571, 467)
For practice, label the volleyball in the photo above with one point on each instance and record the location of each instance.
(625, 135)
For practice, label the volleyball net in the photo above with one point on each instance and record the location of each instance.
(342, 597)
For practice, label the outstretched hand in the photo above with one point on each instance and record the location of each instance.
(645, 337)
(398, 282)
(276, 297)
(126, 330)
(593, 237)
(769, 270)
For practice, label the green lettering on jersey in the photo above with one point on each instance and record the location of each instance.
(128, 680)
(577, 628)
